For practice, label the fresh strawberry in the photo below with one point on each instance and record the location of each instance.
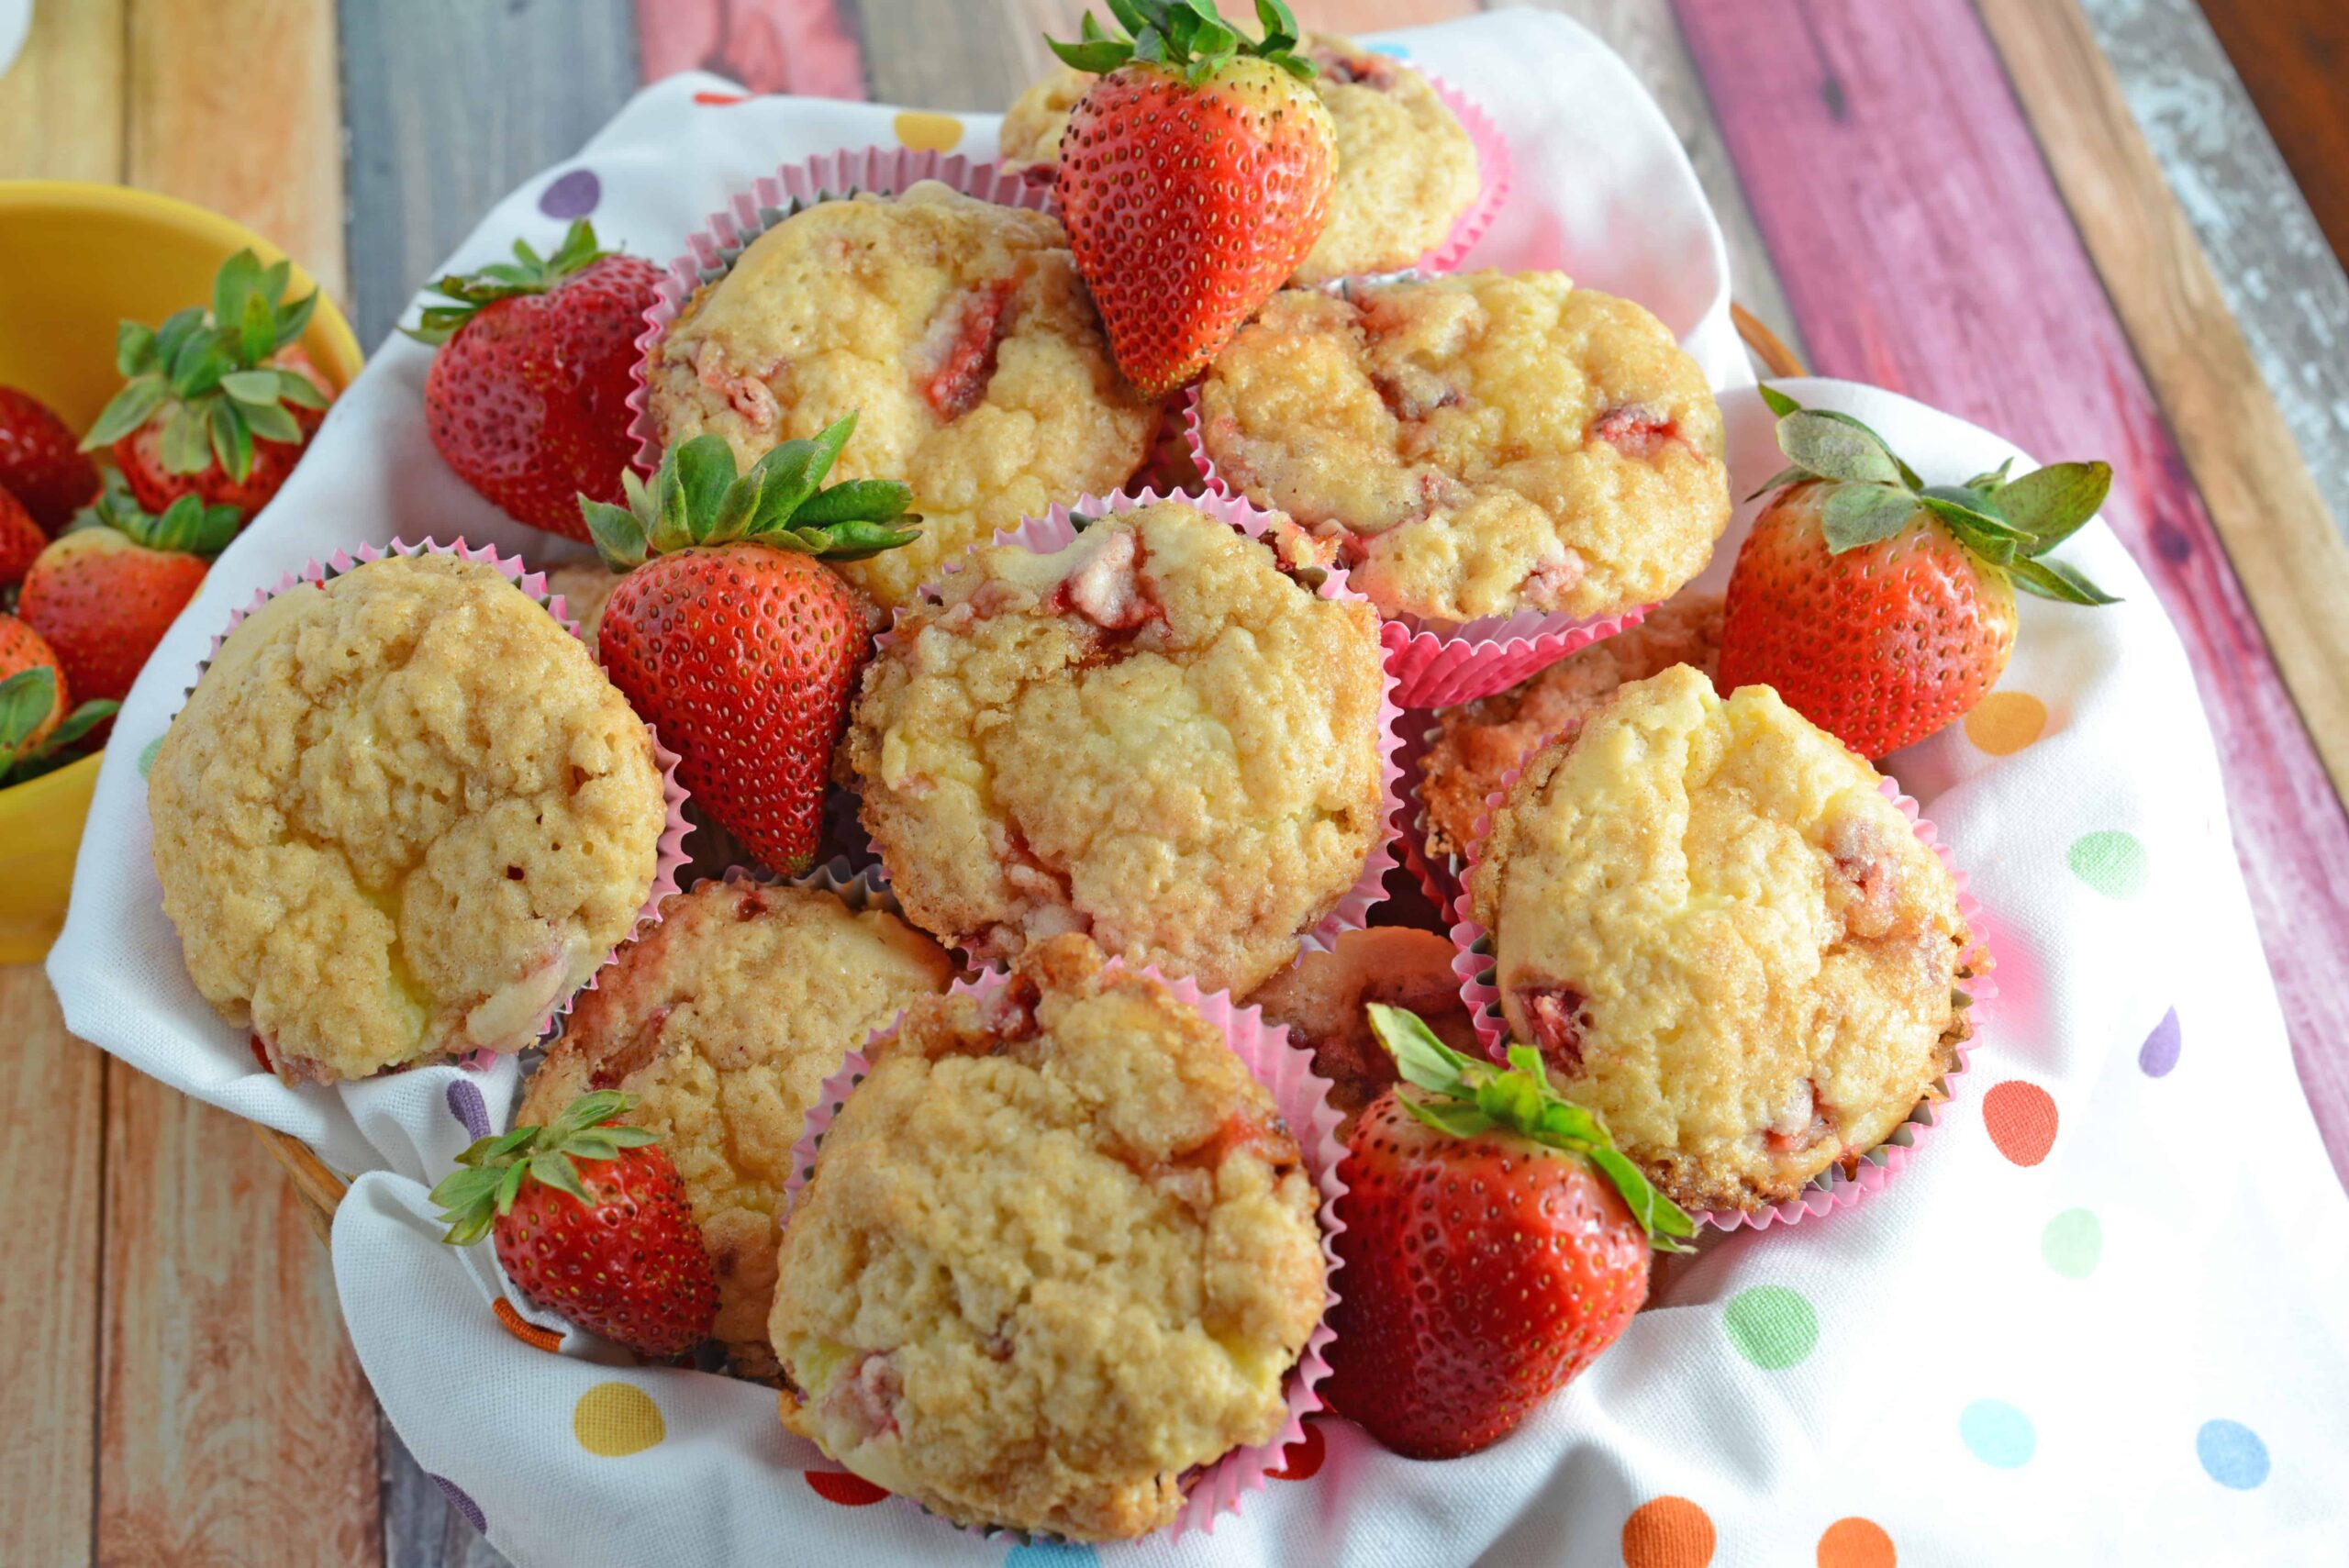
(105, 591)
(591, 1222)
(40, 462)
(21, 539)
(1194, 177)
(1494, 1242)
(1881, 607)
(527, 397)
(734, 639)
(35, 728)
(215, 403)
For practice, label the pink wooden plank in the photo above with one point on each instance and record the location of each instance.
(808, 47)
(1924, 247)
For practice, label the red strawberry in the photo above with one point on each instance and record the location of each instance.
(591, 1222)
(733, 638)
(1880, 607)
(103, 593)
(1194, 178)
(527, 398)
(35, 728)
(1495, 1243)
(21, 539)
(40, 462)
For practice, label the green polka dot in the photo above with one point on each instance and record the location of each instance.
(147, 755)
(2072, 1243)
(2112, 862)
(1771, 1326)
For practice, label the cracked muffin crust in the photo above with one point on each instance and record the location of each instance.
(1723, 938)
(959, 333)
(1478, 444)
(1321, 998)
(1057, 1252)
(1153, 735)
(1479, 744)
(724, 1020)
(402, 816)
(1405, 169)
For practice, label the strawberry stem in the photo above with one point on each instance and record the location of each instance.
(491, 1173)
(1189, 35)
(528, 273)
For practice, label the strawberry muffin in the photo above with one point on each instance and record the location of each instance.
(1479, 444)
(1321, 998)
(959, 333)
(1480, 745)
(1058, 1253)
(1405, 169)
(401, 818)
(1154, 735)
(724, 1020)
(1724, 938)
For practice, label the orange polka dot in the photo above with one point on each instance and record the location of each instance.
(716, 99)
(522, 1328)
(2005, 722)
(1668, 1533)
(1301, 1461)
(2021, 1119)
(1856, 1543)
(927, 132)
(840, 1487)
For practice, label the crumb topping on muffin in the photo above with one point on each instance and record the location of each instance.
(1320, 1000)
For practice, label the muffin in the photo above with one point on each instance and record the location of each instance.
(959, 333)
(1723, 937)
(402, 816)
(1405, 169)
(1479, 745)
(1058, 1253)
(587, 587)
(1322, 997)
(724, 1020)
(1479, 444)
(1154, 735)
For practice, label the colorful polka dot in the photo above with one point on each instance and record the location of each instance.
(2072, 1243)
(522, 1328)
(840, 1487)
(927, 132)
(613, 1420)
(1668, 1533)
(460, 1501)
(2232, 1454)
(1047, 1553)
(1394, 51)
(2021, 1119)
(2159, 1053)
(1771, 1326)
(573, 193)
(465, 1102)
(717, 100)
(1301, 1461)
(1997, 1433)
(1856, 1543)
(2005, 722)
(147, 756)
(2112, 862)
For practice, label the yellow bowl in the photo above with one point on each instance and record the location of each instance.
(79, 260)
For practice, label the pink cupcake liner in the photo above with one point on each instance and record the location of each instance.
(1439, 876)
(1441, 663)
(669, 854)
(1302, 1096)
(1473, 963)
(828, 176)
(1056, 531)
(1493, 173)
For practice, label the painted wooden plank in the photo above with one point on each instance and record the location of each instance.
(1837, 109)
(60, 104)
(2292, 54)
(449, 105)
(2283, 283)
(806, 46)
(420, 1529)
(51, 1102)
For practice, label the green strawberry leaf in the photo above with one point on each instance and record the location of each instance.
(294, 388)
(258, 389)
(80, 722)
(26, 698)
(2053, 580)
(232, 439)
(1856, 514)
(1420, 1055)
(238, 281)
(1095, 58)
(1834, 448)
(1778, 402)
(134, 349)
(1790, 475)
(126, 410)
(704, 472)
(2052, 504)
(468, 293)
(187, 440)
(1459, 1119)
(854, 500)
(270, 422)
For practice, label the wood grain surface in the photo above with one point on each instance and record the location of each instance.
(2294, 57)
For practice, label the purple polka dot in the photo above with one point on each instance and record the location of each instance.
(2159, 1053)
(573, 194)
(465, 1105)
(459, 1501)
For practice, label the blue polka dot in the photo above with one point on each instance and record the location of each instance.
(459, 1501)
(1046, 1553)
(1393, 50)
(2232, 1454)
(465, 1105)
(1997, 1433)
(573, 194)
(2159, 1053)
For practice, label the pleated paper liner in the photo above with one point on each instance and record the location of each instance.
(1493, 173)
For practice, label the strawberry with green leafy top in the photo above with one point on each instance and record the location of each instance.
(1495, 1243)
(215, 403)
(1194, 177)
(1881, 607)
(36, 732)
(590, 1221)
(107, 590)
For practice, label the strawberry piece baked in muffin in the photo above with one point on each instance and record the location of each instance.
(1407, 169)
(957, 331)
(724, 1020)
(1722, 937)
(1478, 445)
(1154, 735)
(1320, 1000)
(1057, 1253)
(401, 818)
